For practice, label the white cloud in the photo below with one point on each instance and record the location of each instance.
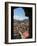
(20, 17)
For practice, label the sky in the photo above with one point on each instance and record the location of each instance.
(19, 14)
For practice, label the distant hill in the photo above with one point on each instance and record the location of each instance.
(25, 21)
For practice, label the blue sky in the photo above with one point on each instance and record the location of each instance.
(19, 14)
